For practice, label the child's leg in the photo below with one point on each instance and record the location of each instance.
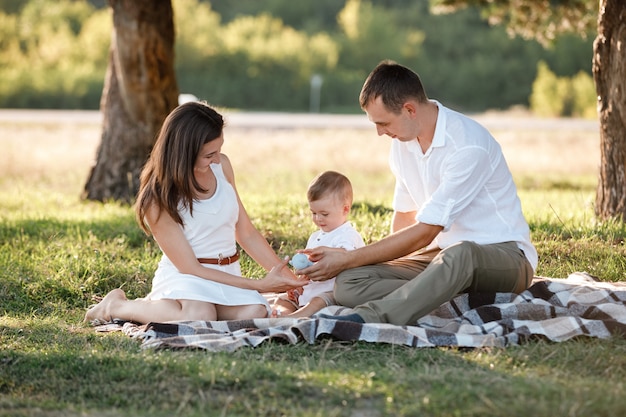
(283, 306)
(316, 304)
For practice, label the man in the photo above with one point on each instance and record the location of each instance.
(457, 224)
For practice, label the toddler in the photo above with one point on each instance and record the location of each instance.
(330, 200)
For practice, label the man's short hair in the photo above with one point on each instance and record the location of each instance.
(395, 84)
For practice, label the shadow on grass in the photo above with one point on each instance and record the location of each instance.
(59, 369)
(51, 230)
(52, 264)
(610, 231)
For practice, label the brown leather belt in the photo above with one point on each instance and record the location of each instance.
(221, 260)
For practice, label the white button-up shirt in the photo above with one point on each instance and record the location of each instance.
(462, 183)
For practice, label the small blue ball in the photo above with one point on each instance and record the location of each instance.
(300, 261)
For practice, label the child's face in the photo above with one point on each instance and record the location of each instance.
(329, 212)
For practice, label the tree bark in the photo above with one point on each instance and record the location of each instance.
(140, 90)
(609, 72)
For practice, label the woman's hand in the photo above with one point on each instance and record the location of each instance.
(279, 279)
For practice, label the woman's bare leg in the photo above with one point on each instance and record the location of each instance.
(115, 305)
(252, 311)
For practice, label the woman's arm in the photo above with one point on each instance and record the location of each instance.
(169, 235)
(171, 239)
(248, 237)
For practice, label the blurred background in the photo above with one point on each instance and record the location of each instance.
(296, 56)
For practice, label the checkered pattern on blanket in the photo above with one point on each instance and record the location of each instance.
(554, 309)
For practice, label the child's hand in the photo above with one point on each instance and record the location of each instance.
(294, 294)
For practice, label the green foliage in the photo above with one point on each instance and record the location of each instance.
(12, 6)
(532, 19)
(53, 55)
(584, 96)
(470, 65)
(570, 54)
(310, 16)
(549, 92)
(563, 96)
(369, 33)
(254, 62)
(264, 64)
(262, 55)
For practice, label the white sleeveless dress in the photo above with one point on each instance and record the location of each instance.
(210, 232)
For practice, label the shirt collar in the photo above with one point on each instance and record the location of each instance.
(439, 138)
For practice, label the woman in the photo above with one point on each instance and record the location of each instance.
(188, 202)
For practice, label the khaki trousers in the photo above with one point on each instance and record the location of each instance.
(403, 290)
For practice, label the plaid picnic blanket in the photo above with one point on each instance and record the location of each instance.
(553, 309)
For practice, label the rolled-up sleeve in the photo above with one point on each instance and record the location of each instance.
(462, 183)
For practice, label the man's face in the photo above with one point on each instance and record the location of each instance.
(401, 126)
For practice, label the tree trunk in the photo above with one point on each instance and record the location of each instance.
(140, 90)
(609, 72)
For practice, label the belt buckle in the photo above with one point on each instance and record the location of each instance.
(220, 257)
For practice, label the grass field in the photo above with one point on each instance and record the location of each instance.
(57, 252)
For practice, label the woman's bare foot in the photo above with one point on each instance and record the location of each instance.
(102, 312)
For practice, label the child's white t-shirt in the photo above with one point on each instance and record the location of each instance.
(344, 236)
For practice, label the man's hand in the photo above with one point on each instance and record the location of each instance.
(328, 262)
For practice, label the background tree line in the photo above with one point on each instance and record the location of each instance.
(261, 55)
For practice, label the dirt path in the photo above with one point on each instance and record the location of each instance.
(532, 146)
(495, 121)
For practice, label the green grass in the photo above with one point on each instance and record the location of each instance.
(57, 252)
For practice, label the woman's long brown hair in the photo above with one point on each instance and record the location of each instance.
(167, 179)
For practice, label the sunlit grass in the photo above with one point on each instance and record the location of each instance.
(57, 252)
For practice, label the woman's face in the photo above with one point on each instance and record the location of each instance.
(209, 154)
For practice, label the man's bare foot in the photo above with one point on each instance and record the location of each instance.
(102, 312)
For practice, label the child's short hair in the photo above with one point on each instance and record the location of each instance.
(330, 182)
